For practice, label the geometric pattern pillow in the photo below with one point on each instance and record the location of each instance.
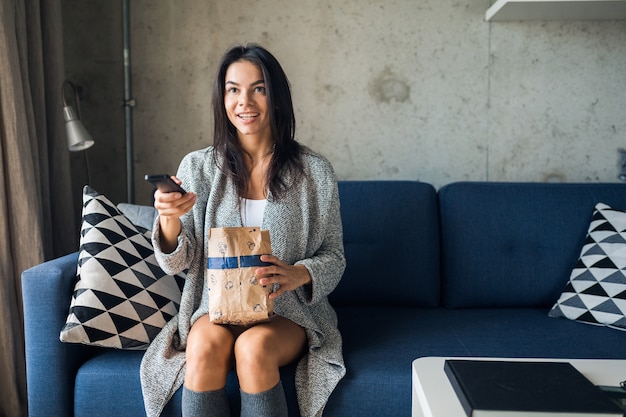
(596, 291)
(122, 298)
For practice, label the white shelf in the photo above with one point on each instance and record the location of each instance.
(557, 10)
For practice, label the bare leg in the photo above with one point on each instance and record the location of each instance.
(258, 353)
(209, 355)
(262, 349)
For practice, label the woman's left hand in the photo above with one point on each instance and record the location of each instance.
(288, 277)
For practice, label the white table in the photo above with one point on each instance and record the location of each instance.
(433, 396)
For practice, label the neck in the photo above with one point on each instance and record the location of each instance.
(258, 150)
(260, 156)
(254, 143)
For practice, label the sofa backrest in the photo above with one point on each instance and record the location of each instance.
(514, 244)
(391, 242)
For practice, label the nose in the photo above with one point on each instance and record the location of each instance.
(245, 98)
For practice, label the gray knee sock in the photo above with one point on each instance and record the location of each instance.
(270, 403)
(205, 404)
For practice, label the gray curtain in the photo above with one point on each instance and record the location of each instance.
(37, 220)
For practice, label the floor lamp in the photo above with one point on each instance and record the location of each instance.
(78, 139)
(129, 103)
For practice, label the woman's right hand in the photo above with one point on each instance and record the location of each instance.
(171, 206)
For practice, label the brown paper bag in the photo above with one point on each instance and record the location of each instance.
(235, 296)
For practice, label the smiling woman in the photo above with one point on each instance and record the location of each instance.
(245, 102)
(256, 175)
(252, 77)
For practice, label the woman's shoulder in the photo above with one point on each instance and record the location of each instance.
(197, 167)
(319, 173)
(200, 155)
(315, 161)
(199, 159)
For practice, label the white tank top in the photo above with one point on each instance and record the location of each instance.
(252, 212)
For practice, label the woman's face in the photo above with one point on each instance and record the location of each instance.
(245, 100)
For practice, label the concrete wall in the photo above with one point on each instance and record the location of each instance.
(410, 89)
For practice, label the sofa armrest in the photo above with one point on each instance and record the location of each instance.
(50, 365)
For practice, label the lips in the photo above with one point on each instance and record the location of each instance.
(247, 116)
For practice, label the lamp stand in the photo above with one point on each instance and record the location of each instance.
(129, 103)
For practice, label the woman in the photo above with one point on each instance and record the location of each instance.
(255, 174)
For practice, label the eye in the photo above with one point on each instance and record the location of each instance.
(259, 89)
(232, 90)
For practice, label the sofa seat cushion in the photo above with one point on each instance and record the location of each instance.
(381, 342)
(109, 385)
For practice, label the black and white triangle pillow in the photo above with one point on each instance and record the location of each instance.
(122, 298)
(596, 291)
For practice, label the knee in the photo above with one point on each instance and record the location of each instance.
(209, 357)
(198, 354)
(204, 351)
(254, 350)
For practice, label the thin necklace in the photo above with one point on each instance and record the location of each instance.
(259, 158)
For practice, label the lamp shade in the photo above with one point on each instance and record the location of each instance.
(78, 139)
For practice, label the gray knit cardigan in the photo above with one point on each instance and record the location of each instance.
(305, 228)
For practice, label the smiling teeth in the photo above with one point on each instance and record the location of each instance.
(247, 116)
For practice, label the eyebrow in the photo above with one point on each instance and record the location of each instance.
(252, 85)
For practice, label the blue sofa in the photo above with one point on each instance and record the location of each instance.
(469, 270)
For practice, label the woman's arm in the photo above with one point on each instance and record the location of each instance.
(316, 276)
(327, 265)
(171, 207)
(173, 235)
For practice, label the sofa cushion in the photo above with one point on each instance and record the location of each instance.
(391, 242)
(109, 385)
(514, 244)
(596, 291)
(122, 298)
(380, 343)
(139, 215)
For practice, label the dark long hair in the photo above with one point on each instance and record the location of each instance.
(285, 166)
